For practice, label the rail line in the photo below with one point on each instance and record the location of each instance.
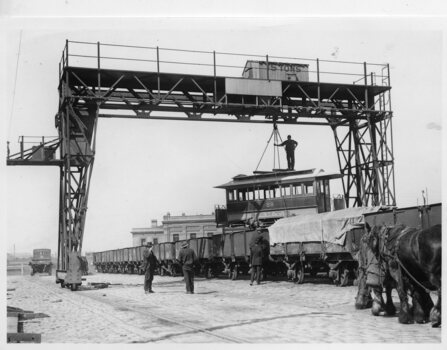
(191, 329)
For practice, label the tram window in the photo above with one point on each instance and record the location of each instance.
(261, 194)
(175, 237)
(241, 195)
(326, 186)
(321, 187)
(230, 195)
(298, 190)
(251, 195)
(288, 190)
(309, 187)
(278, 192)
(155, 241)
(193, 235)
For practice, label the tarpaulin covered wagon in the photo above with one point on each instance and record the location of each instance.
(325, 242)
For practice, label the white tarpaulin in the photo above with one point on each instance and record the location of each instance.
(329, 227)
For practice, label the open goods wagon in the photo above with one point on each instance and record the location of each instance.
(130, 260)
(423, 216)
(125, 260)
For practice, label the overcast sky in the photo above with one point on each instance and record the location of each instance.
(144, 169)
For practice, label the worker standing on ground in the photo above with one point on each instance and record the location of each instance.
(150, 263)
(187, 258)
(290, 146)
(256, 257)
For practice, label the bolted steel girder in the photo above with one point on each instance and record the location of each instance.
(358, 115)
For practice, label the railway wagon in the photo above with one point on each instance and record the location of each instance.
(234, 247)
(423, 216)
(325, 242)
(125, 260)
(165, 253)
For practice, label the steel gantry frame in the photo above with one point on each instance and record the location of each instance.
(359, 114)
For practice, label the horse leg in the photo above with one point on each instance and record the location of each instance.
(405, 312)
(390, 309)
(422, 304)
(435, 313)
(363, 299)
(377, 305)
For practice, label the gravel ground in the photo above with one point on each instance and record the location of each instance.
(221, 311)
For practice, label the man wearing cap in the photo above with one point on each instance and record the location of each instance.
(257, 254)
(187, 257)
(149, 264)
(290, 146)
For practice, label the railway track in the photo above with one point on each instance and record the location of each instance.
(135, 306)
(219, 312)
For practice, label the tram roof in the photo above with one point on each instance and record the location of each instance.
(279, 177)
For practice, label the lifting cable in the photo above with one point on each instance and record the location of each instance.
(15, 84)
(276, 136)
(276, 140)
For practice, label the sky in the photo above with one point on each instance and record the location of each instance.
(144, 169)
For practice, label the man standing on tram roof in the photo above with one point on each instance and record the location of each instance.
(290, 146)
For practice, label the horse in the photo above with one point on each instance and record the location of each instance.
(412, 258)
(373, 278)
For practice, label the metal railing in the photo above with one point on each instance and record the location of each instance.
(29, 145)
(223, 64)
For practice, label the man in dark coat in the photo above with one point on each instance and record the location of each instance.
(257, 254)
(290, 146)
(187, 258)
(150, 262)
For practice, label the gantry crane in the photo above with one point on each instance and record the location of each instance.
(358, 112)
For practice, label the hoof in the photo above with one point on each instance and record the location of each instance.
(376, 309)
(363, 302)
(435, 318)
(405, 319)
(390, 311)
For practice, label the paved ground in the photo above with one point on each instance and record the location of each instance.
(221, 311)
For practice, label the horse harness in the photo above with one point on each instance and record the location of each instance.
(388, 249)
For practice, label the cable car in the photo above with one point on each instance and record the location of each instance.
(266, 196)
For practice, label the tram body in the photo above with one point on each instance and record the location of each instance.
(267, 196)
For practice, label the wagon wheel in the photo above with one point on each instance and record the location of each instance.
(62, 285)
(344, 278)
(300, 274)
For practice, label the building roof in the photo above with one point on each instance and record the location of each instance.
(148, 230)
(278, 177)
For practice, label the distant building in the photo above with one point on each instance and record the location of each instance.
(176, 228)
(189, 226)
(154, 234)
